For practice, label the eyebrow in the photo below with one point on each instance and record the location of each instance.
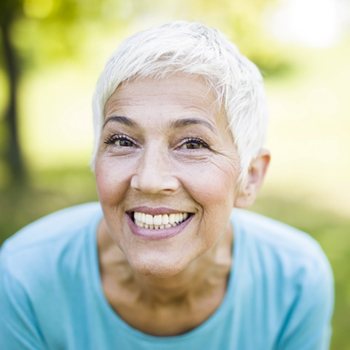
(180, 123)
(119, 119)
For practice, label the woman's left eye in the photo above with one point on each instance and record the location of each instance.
(193, 143)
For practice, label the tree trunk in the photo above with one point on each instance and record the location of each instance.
(13, 154)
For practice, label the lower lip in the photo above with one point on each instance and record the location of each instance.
(157, 234)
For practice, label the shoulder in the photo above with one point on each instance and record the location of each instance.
(36, 265)
(277, 240)
(39, 265)
(291, 274)
(53, 226)
(290, 258)
(39, 244)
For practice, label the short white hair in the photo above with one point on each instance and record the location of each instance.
(192, 48)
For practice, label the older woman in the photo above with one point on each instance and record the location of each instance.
(164, 261)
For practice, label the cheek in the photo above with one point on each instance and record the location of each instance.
(112, 180)
(213, 184)
(214, 191)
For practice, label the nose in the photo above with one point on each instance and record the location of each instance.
(154, 173)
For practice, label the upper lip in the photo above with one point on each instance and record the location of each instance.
(156, 210)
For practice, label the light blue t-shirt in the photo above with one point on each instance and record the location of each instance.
(279, 295)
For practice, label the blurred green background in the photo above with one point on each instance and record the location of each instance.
(53, 50)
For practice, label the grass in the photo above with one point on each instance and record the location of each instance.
(49, 191)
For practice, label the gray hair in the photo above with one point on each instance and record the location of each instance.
(192, 48)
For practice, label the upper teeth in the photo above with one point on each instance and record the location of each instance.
(159, 221)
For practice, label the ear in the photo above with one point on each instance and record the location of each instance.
(247, 193)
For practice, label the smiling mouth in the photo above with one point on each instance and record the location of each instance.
(158, 222)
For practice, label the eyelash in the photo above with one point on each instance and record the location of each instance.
(194, 140)
(111, 140)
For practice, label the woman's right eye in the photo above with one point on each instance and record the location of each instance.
(120, 141)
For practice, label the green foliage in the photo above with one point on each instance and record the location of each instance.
(47, 31)
(50, 31)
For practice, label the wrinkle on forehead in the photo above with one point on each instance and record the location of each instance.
(193, 98)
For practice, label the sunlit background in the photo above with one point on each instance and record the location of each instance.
(302, 48)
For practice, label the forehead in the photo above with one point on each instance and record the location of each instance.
(164, 101)
(178, 91)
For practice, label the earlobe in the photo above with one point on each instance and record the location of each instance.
(255, 177)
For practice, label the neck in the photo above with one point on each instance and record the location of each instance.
(205, 274)
(165, 306)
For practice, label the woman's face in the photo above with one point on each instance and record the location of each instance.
(166, 172)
